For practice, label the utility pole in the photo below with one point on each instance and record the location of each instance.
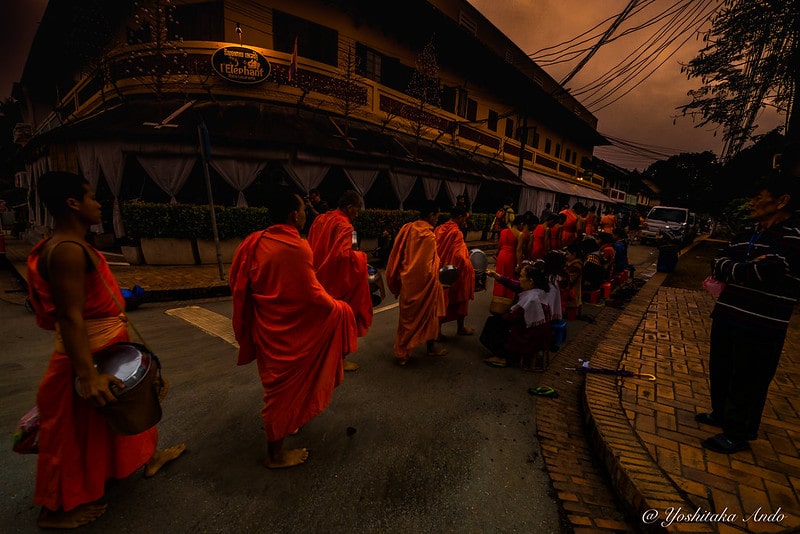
(205, 153)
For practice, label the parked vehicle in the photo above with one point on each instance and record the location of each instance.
(679, 222)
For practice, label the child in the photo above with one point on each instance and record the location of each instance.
(526, 326)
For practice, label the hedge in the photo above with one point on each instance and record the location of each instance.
(188, 221)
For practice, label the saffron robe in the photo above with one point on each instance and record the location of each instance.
(78, 451)
(539, 241)
(284, 319)
(502, 297)
(452, 250)
(412, 275)
(569, 230)
(341, 270)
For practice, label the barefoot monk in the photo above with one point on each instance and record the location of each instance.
(412, 275)
(71, 289)
(283, 318)
(453, 251)
(341, 267)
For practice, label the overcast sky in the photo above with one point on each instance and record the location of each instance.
(644, 116)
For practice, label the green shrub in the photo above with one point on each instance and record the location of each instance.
(187, 221)
(372, 223)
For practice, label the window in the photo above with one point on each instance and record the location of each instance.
(472, 110)
(313, 40)
(449, 96)
(510, 128)
(534, 139)
(547, 146)
(368, 62)
(567, 154)
(558, 150)
(491, 123)
(200, 22)
(574, 157)
(467, 23)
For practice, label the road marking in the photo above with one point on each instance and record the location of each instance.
(211, 323)
(386, 308)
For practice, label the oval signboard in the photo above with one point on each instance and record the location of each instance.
(240, 65)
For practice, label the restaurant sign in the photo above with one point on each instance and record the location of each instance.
(240, 65)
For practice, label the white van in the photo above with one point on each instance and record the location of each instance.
(680, 221)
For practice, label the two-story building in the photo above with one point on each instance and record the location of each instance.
(402, 101)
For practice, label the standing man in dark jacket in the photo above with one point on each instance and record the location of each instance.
(761, 270)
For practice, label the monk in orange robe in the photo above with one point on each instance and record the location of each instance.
(285, 320)
(412, 275)
(341, 268)
(71, 288)
(453, 251)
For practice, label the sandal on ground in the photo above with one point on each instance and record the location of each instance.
(725, 445)
(494, 361)
(544, 391)
(706, 418)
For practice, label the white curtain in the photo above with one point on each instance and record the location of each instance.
(431, 186)
(168, 172)
(307, 175)
(90, 168)
(454, 189)
(402, 185)
(240, 174)
(362, 179)
(527, 200)
(542, 199)
(472, 193)
(112, 163)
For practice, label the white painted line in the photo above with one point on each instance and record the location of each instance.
(211, 323)
(386, 308)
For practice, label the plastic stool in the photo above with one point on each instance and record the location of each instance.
(592, 297)
(606, 288)
(559, 332)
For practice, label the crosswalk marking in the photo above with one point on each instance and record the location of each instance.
(211, 323)
(218, 325)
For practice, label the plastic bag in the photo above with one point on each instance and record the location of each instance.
(713, 286)
(26, 435)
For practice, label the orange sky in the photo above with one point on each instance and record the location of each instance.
(646, 114)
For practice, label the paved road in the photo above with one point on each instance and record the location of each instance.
(444, 444)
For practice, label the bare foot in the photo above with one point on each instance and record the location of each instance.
(287, 458)
(440, 352)
(350, 366)
(161, 458)
(77, 517)
(466, 331)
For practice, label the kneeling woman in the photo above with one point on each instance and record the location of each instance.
(525, 329)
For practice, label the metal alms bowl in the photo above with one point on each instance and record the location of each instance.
(448, 275)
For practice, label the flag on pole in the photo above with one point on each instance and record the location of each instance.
(293, 63)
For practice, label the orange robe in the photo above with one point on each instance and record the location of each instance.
(341, 270)
(412, 275)
(591, 224)
(569, 230)
(452, 250)
(78, 451)
(539, 241)
(289, 324)
(505, 265)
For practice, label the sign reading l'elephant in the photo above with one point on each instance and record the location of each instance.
(238, 64)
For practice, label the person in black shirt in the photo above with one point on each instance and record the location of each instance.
(761, 272)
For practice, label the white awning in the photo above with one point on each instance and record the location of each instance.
(548, 183)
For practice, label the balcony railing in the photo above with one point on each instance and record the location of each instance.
(126, 72)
